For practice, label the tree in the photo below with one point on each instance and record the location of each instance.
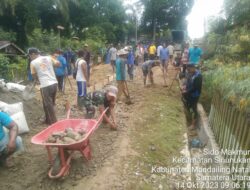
(159, 13)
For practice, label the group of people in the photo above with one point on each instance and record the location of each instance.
(49, 72)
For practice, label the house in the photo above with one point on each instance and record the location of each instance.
(10, 49)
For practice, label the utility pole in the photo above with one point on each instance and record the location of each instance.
(59, 29)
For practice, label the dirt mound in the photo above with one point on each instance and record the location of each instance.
(32, 108)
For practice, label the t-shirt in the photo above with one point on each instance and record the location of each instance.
(194, 55)
(43, 67)
(60, 71)
(79, 75)
(184, 58)
(5, 120)
(171, 50)
(164, 54)
(159, 50)
(152, 50)
(120, 69)
(147, 65)
(113, 52)
(131, 58)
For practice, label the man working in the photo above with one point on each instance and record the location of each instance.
(42, 70)
(81, 77)
(147, 70)
(86, 57)
(192, 91)
(9, 143)
(121, 61)
(102, 99)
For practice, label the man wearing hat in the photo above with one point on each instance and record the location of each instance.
(195, 54)
(121, 61)
(86, 57)
(192, 92)
(42, 70)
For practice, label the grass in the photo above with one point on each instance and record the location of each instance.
(161, 124)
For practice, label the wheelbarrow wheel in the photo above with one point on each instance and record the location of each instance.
(57, 163)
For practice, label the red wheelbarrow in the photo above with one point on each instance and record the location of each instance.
(60, 165)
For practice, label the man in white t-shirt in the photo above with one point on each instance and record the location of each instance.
(113, 54)
(42, 70)
(171, 52)
(159, 50)
(81, 77)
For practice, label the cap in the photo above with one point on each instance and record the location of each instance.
(33, 50)
(86, 45)
(112, 91)
(122, 52)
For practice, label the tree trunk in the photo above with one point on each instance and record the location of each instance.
(154, 29)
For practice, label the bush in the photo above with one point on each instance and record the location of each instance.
(232, 81)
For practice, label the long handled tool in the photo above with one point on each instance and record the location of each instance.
(64, 84)
(177, 73)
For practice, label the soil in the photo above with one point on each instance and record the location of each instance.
(111, 150)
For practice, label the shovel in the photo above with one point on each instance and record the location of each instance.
(29, 92)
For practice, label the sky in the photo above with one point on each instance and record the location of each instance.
(202, 10)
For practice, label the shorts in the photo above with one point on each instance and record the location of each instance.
(4, 143)
(112, 62)
(144, 71)
(82, 88)
(164, 63)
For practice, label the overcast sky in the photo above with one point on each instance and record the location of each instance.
(201, 10)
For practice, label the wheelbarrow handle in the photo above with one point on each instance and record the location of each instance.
(101, 117)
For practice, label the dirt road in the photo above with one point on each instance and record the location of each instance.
(150, 133)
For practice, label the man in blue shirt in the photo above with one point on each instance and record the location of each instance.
(61, 70)
(120, 63)
(9, 143)
(195, 54)
(131, 62)
(192, 92)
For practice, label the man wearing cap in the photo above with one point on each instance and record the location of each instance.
(9, 142)
(61, 70)
(192, 91)
(147, 70)
(102, 99)
(42, 70)
(86, 57)
(195, 54)
(121, 61)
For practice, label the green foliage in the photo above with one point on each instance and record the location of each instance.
(8, 36)
(13, 69)
(232, 81)
(44, 41)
